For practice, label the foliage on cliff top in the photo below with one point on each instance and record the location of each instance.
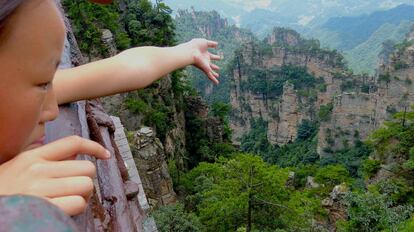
(270, 82)
(293, 42)
(245, 191)
(140, 23)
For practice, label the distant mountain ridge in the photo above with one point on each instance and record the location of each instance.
(359, 37)
(293, 13)
(356, 30)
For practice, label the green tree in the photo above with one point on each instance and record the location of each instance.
(89, 19)
(373, 212)
(175, 218)
(325, 112)
(221, 110)
(148, 24)
(307, 129)
(246, 192)
(332, 175)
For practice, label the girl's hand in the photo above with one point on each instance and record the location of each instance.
(202, 57)
(46, 172)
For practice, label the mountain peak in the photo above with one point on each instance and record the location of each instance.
(284, 37)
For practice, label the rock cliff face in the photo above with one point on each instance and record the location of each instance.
(355, 105)
(285, 110)
(149, 155)
(213, 126)
(162, 94)
(334, 205)
(355, 115)
(208, 28)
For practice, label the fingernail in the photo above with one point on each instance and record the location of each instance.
(108, 154)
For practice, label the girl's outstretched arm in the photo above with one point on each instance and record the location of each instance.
(133, 69)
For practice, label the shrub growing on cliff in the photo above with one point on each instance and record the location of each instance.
(149, 24)
(400, 65)
(325, 112)
(175, 218)
(370, 167)
(351, 158)
(89, 19)
(332, 175)
(270, 82)
(306, 130)
(221, 110)
(136, 105)
(373, 212)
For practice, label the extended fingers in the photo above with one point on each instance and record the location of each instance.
(213, 77)
(71, 205)
(67, 168)
(61, 187)
(70, 146)
(214, 67)
(215, 57)
(212, 44)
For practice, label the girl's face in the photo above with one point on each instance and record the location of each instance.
(30, 49)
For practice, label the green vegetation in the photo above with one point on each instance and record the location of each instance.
(155, 112)
(370, 167)
(389, 202)
(352, 158)
(270, 82)
(400, 47)
(301, 151)
(373, 212)
(141, 23)
(304, 46)
(325, 112)
(364, 57)
(400, 65)
(89, 19)
(384, 78)
(245, 192)
(332, 175)
(201, 142)
(148, 24)
(175, 218)
(242, 191)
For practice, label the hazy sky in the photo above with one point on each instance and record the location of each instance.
(304, 11)
(249, 5)
(274, 4)
(252, 4)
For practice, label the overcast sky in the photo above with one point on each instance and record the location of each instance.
(301, 12)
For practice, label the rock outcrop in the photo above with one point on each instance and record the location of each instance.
(213, 126)
(162, 94)
(334, 205)
(149, 155)
(356, 104)
(355, 114)
(286, 110)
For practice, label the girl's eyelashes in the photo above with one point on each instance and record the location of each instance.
(45, 86)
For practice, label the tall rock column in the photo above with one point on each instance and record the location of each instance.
(149, 156)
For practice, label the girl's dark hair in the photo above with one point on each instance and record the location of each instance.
(7, 7)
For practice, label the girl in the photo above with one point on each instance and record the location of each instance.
(31, 42)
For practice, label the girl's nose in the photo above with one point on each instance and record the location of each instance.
(50, 109)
